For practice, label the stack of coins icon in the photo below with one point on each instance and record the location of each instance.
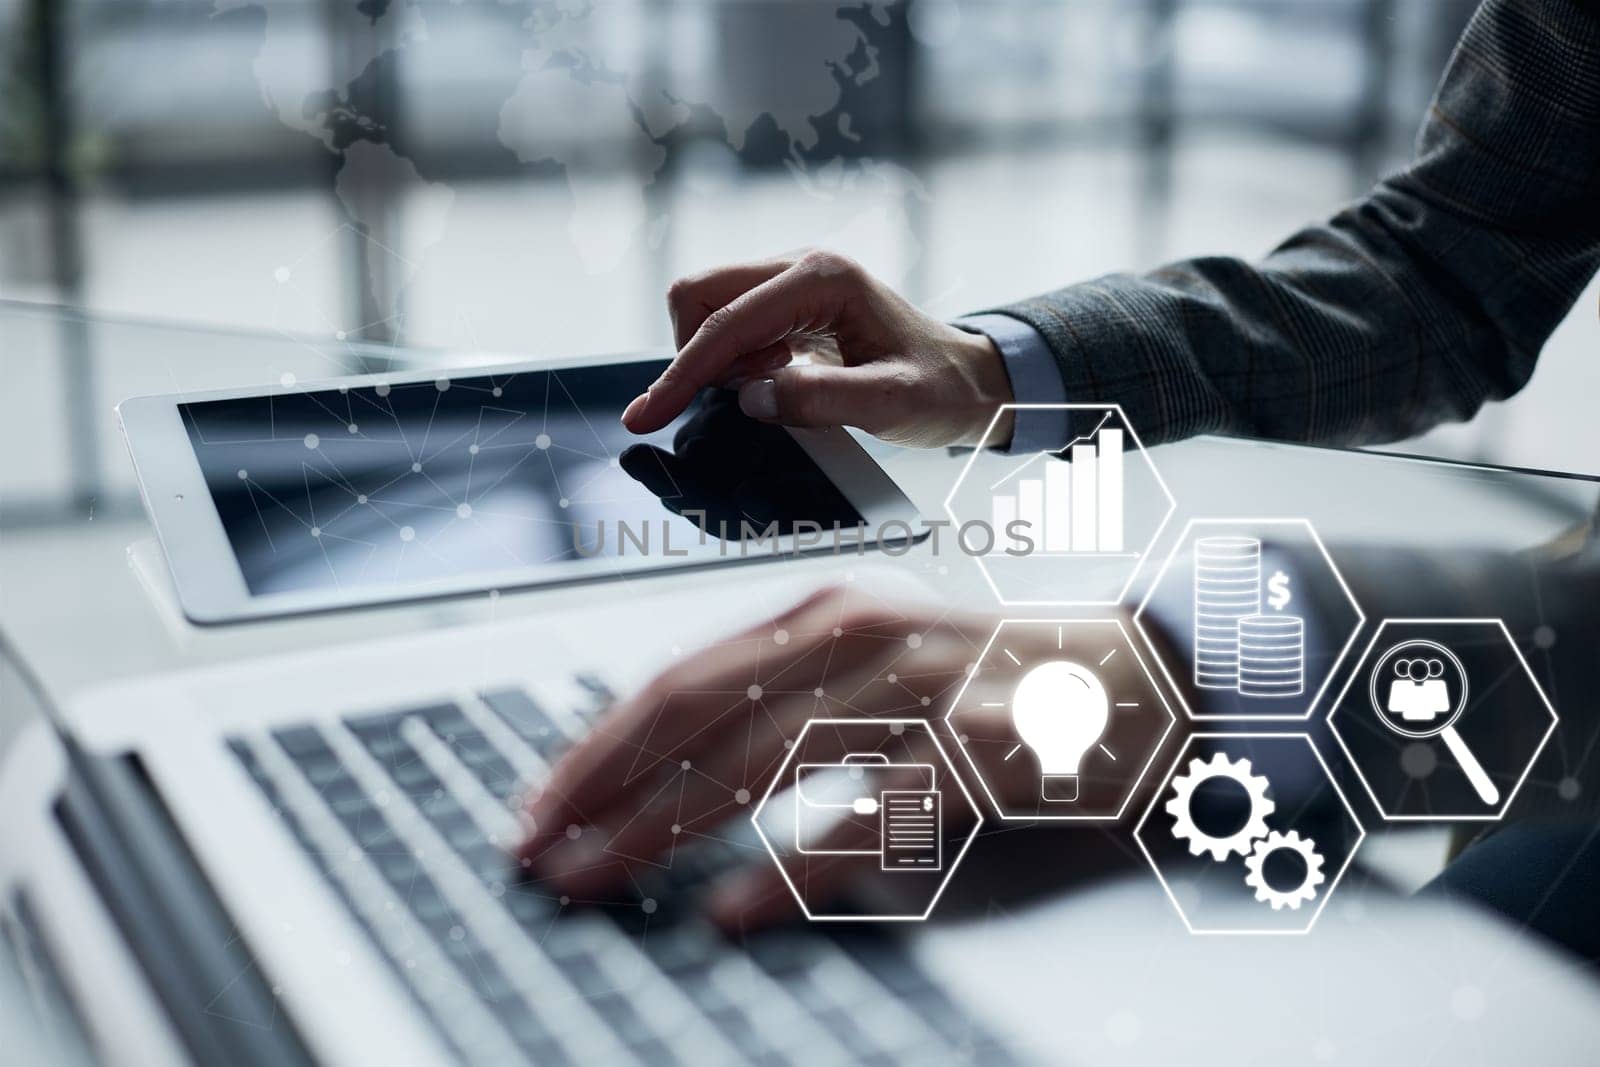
(1272, 656)
(1227, 588)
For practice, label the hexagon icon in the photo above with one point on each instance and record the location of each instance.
(1442, 719)
(874, 804)
(1253, 615)
(1060, 719)
(1249, 833)
(1064, 527)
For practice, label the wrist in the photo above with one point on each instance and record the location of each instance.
(988, 389)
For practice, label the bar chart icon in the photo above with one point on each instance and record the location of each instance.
(1068, 502)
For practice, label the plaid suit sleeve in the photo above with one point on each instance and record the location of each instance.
(1412, 306)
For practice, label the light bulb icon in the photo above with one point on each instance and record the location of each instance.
(1060, 710)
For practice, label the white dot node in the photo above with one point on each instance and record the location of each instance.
(463, 511)
(913, 640)
(754, 692)
(893, 678)
(564, 502)
(787, 743)
(1467, 1003)
(648, 905)
(287, 379)
(339, 335)
(565, 900)
(353, 428)
(962, 738)
(926, 701)
(312, 440)
(542, 441)
(282, 275)
(817, 692)
(497, 391)
(361, 498)
(316, 531)
(677, 828)
(382, 388)
(574, 831)
(685, 764)
(1544, 636)
(472, 450)
(616, 463)
(780, 637)
(741, 796)
(457, 933)
(837, 632)
(1123, 1028)
(243, 474)
(407, 533)
(897, 728)
(1568, 789)
(416, 468)
(494, 594)
(442, 384)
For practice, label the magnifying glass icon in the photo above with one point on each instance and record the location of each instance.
(1415, 672)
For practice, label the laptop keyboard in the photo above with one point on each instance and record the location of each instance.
(409, 814)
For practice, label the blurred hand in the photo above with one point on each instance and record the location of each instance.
(842, 652)
(876, 362)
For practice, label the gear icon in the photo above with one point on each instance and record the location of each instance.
(1279, 898)
(1183, 824)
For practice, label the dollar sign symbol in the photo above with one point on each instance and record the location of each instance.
(1278, 591)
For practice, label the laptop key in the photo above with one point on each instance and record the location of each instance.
(530, 722)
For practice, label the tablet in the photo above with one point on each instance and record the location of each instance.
(395, 487)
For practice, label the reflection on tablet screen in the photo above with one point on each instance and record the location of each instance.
(413, 482)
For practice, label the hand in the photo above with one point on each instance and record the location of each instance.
(876, 362)
(844, 641)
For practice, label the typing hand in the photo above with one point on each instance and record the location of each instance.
(875, 361)
(845, 642)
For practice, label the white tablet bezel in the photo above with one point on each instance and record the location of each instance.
(212, 589)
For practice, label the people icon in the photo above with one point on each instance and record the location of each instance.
(1418, 691)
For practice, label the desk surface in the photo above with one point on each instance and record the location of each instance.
(85, 614)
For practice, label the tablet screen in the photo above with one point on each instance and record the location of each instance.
(415, 482)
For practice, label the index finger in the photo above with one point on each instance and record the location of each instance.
(690, 301)
(795, 301)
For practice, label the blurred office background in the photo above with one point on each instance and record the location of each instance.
(526, 176)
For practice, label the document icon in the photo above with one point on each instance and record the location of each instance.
(911, 829)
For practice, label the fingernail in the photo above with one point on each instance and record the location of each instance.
(759, 399)
(631, 412)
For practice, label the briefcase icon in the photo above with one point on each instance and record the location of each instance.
(827, 794)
